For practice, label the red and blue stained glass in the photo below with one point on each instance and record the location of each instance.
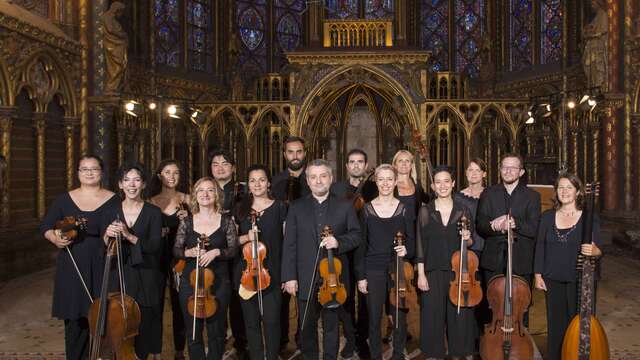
(521, 33)
(342, 9)
(551, 31)
(250, 18)
(167, 25)
(468, 36)
(288, 27)
(199, 35)
(378, 9)
(434, 32)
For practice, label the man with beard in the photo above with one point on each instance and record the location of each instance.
(303, 239)
(288, 186)
(491, 223)
(358, 183)
(223, 168)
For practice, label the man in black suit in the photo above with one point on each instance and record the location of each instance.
(291, 183)
(306, 218)
(491, 223)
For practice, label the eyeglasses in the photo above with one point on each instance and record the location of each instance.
(89, 170)
(510, 168)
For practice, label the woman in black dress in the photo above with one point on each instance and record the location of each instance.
(207, 219)
(382, 218)
(139, 224)
(271, 215)
(165, 195)
(476, 173)
(437, 238)
(70, 298)
(558, 244)
(408, 190)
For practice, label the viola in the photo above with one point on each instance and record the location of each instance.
(332, 292)
(505, 337)
(178, 268)
(401, 278)
(202, 304)
(585, 338)
(114, 318)
(69, 226)
(255, 277)
(464, 289)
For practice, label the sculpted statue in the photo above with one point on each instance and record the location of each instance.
(115, 47)
(594, 55)
(237, 87)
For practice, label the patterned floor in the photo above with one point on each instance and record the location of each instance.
(28, 332)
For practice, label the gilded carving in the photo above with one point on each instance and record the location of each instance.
(594, 54)
(39, 125)
(115, 44)
(5, 150)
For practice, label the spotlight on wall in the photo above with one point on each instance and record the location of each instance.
(172, 111)
(152, 105)
(133, 108)
(197, 115)
(571, 104)
(586, 103)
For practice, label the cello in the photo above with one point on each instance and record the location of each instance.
(585, 338)
(505, 337)
(401, 279)
(332, 292)
(202, 304)
(464, 289)
(114, 318)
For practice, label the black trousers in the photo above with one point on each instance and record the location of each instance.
(284, 322)
(216, 324)
(149, 339)
(270, 322)
(179, 333)
(359, 327)
(378, 287)
(438, 316)
(309, 337)
(561, 308)
(76, 338)
(235, 310)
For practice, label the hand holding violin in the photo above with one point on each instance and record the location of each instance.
(57, 239)
(329, 242)
(400, 250)
(291, 287)
(362, 286)
(208, 257)
(119, 228)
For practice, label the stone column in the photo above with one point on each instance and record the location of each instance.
(401, 23)
(315, 23)
(142, 146)
(103, 133)
(189, 164)
(39, 124)
(574, 150)
(69, 130)
(122, 132)
(6, 122)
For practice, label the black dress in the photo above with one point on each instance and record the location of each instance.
(270, 226)
(556, 257)
(374, 259)
(144, 273)
(171, 222)
(435, 244)
(224, 238)
(70, 300)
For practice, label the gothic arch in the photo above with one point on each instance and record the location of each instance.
(458, 116)
(329, 79)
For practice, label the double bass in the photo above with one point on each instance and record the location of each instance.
(114, 318)
(202, 304)
(585, 338)
(505, 337)
(464, 289)
(401, 278)
(332, 292)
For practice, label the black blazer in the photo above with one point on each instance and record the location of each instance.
(525, 209)
(301, 240)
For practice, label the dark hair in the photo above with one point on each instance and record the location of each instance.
(246, 202)
(512, 155)
(225, 155)
(481, 164)
(576, 182)
(124, 170)
(88, 157)
(357, 151)
(292, 139)
(444, 168)
(155, 184)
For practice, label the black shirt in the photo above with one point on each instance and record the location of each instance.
(289, 188)
(344, 190)
(436, 242)
(472, 204)
(320, 213)
(555, 257)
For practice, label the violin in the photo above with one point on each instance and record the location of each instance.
(585, 337)
(356, 197)
(332, 292)
(178, 268)
(464, 290)
(69, 226)
(114, 318)
(401, 279)
(255, 277)
(202, 304)
(505, 337)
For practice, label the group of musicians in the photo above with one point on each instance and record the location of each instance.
(289, 213)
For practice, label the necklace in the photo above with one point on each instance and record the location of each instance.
(563, 237)
(567, 213)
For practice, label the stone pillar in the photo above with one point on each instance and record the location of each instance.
(315, 23)
(103, 133)
(190, 158)
(401, 23)
(69, 130)
(39, 124)
(121, 134)
(6, 122)
(142, 146)
(574, 151)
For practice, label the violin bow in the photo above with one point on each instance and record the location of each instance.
(75, 266)
(123, 289)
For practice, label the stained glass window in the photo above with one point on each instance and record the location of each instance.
(468, 36)
(199, 35)
(342, 9)
(551, 31)
(167, 32)
(288, 26)
(251, 18)
(378, 9)
(521, 33)
(434, 32)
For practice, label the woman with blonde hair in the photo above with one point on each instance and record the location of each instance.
(408, 190)
(207, 219)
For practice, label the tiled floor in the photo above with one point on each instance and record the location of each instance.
(28, 332)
